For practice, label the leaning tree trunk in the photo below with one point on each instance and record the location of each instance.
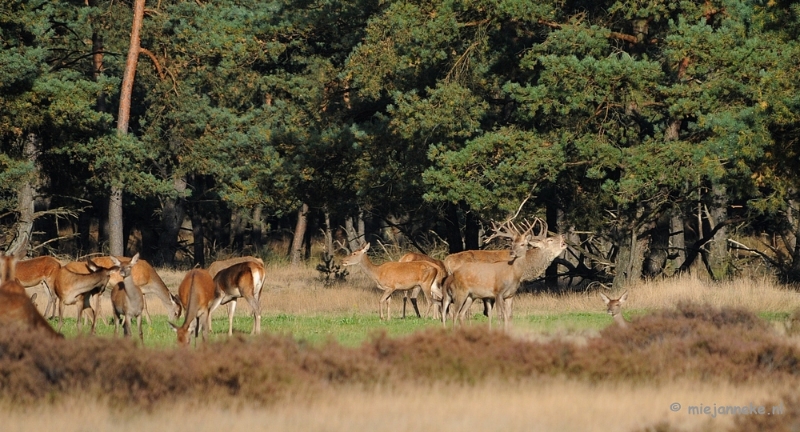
(25, 200)
(299, 234)
(355, 231)
(794, 222)
(116, 242)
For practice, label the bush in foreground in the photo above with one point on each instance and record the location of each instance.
(691, 342)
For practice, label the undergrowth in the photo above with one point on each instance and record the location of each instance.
(692, 342)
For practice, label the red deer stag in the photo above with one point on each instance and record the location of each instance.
(197, 294)
(500, 280)
(127, 300)
(16, 308)
(395, 276)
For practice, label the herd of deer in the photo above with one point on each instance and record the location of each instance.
(78, 282)
(493, 276)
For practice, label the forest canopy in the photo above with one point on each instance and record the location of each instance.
(656, 135)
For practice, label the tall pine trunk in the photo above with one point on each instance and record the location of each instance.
(116, 242)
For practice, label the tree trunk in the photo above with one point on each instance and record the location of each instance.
(115, 233)
(718, 247)
(472, 231)
(258, 227)
(554, 218)
(299, 234)
(355, 231)
(629, 259)
(26, 200)
(238, 228)
(329, 252)
(453, 229)
(198, 222)
(172, 215)
(677, 240)
(116, 243)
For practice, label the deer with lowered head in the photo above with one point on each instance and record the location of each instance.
(197, 293)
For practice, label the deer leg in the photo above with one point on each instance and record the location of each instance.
(51, 301)
(231, 311)
(414, 294)
(256, 314)
(145, 312)
(139, 324)
(386, 298)
(60, 315)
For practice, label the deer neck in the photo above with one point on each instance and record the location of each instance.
(369, 268)
(133, 293)
(620, 320)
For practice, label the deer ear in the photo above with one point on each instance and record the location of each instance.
(605, 298)
(366, 247)
(624, 297)
(135, 259)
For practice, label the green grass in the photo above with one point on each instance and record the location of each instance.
(354, 329)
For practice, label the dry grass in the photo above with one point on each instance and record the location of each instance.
(541, 405)
(299, 291)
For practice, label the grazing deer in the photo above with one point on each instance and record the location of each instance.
(40, 270)
(16, 308)
(396, 276)
(196, 292)
(71, 286)
(500, 280)
(244, 279)
(436, 288)
(216, 266)
(127, 300)
(144, 276)
(614, 308)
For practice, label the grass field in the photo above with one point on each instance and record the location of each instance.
(613, 391)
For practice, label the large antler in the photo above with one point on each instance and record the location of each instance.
(505, 230)
(529, 228)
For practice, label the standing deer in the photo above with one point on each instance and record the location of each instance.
(500, 280)
(436, 288)
(16, 308)
(71, 286)
(197, 294)
(244, 279)
(127, 300)
(40, 270)
(505, 230)
(395, 276)
(614, 308)
(144, 277)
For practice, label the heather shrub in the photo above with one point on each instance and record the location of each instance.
(691, 342)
